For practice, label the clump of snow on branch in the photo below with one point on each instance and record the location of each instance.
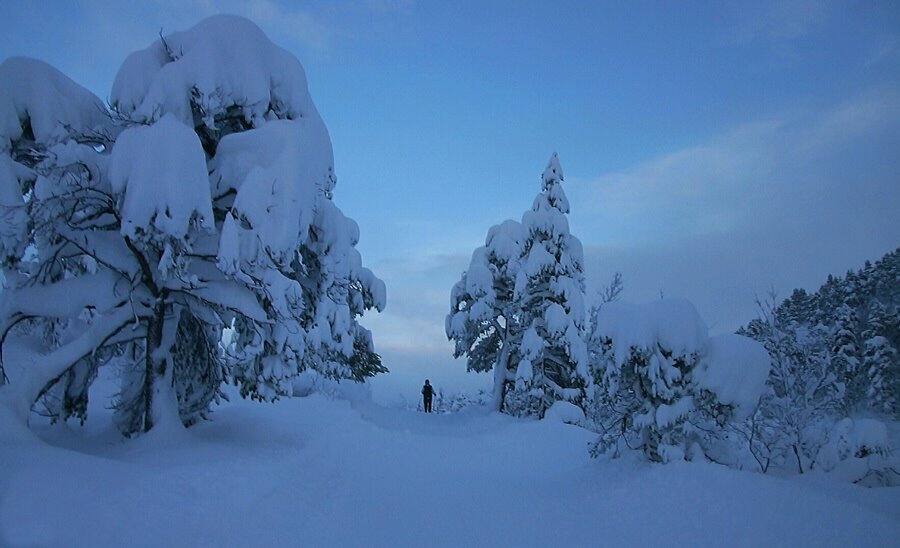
(36, 98)
(735, 369)
(168, 195)
(278, 173)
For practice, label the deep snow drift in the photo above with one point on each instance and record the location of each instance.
(316, 471)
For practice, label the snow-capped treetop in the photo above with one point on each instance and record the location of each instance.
(223, 61)
(552, 195)
(735, 369)
(553, 173)
(33, 90)
(674, 324)
(160, 171)
(549, 247)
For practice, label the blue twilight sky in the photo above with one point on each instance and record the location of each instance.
(712, 150)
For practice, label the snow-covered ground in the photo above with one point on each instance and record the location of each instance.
(316, 471)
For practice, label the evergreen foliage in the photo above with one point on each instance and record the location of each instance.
(850, 327)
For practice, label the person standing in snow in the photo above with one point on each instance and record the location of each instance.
(427, 395)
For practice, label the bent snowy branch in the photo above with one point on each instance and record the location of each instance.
(49, 367)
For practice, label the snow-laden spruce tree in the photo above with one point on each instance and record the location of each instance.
(202, 202)
(549, 296)
(484, 317)
(519, 308)
(664, 386)
(845, 358)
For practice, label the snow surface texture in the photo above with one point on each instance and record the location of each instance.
(293, 474)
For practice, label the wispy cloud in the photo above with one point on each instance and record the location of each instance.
(724, 184)
(418, 299)
(888, 49)
(722, 220)
(778, 21)
(287, 21)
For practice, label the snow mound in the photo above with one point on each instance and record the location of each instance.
(565, 412)
(735, 368)
(672, 323)
(859, 451)
(224, 62)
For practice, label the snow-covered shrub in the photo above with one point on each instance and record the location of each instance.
(565, 412)
(803, 398)
(202, 202)
(519, 309)
(663, 386)
(455, 402)
(311, 382)
(859, 451)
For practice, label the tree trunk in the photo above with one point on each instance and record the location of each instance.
(500, 375)
(160, 401)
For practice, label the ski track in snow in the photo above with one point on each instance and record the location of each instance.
(320, 472)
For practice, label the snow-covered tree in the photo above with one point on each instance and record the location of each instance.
(845, 357)
(663, 385)
(841, 316)
(549, 293)
(484, 317)
(202, 202)
(519, 308)
(881, 362)
(884, 375)
(804, 394)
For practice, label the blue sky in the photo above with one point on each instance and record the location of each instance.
(712, 150)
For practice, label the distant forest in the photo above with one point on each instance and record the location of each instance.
(851, 327)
